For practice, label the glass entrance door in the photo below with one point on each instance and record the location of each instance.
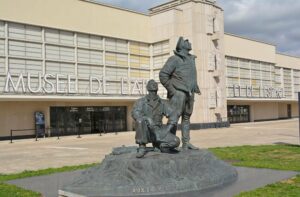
(97, 119)
(289, 110)
(68, 120)
(238, 113)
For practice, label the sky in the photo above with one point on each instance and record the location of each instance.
(273, 21)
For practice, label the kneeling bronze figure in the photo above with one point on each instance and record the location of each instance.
(148, 113)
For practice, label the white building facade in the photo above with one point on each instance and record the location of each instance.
(83, 64)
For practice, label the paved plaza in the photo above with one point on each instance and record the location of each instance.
(50, 152)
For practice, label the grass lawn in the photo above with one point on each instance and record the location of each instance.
(280, 157)
(7, 190)
(287, 188)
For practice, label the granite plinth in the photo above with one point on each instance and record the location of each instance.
(122, 174)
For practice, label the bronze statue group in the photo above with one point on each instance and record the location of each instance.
(179, 77)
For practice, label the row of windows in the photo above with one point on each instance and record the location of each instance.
(254, 73)
(67, 38)
(246, 73)
(34, 50)
(34, 67)
(25, 41)
(248, 64)
(60, 53)
(247, 69)
(247, 82)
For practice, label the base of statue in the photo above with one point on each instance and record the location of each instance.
(122, 174)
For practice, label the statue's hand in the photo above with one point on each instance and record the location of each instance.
(170, 88)
(149, 121)
(171, 91)
(197, 91)
(140, 119)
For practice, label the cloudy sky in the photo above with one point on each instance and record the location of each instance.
(274, 21)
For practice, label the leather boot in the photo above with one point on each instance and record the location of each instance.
(185, 130)
(188, 145)
(141, 151)
(164, 148)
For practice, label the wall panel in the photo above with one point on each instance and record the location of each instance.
(85, 71)
(60, 68)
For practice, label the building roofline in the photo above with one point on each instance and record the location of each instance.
(294, 56)
(164, 7)
(251, 39)
(163, 4)
(115, 7)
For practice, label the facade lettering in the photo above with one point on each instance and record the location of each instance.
(39, 88)
(263, 92)
(68, 84)
(9, 80)
(59, 83)
(99, 85)
(48, 83)
(72, 81)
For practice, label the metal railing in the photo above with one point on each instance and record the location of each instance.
(36, 133)
(57, 133)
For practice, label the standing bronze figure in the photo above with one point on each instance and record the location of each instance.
(179, 77)
(148, 113)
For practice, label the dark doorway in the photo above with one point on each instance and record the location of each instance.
(97, 119)
(289, 110)
(67, 120)
(238, 113)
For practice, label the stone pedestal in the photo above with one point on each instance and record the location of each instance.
(122, 174)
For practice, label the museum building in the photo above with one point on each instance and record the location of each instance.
(80, 64)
